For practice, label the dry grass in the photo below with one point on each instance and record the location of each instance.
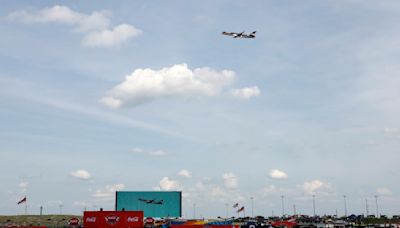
(44, 220)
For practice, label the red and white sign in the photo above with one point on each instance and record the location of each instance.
(104, 219)
(149, 220)
(73, 222)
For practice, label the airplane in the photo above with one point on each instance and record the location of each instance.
(146, 201)
(159, 202)
(240, 34)
(152, 201)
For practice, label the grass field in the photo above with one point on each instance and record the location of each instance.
(35, 220)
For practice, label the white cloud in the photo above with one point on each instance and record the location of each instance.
(168, 184)
(81, 174)
(96, 25)
(271, 189)
(231, 180)
(246, 92)
(384, 192)
(278, 174)
(107, 38)
(392, 132)
(316, 187)
(137, 150)
(108, 193)
(145, 85)
(157, 153)
(64, 15)
(154, 153)
(23, 185)
(185, 173)
(217, 192)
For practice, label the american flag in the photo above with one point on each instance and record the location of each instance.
(240, 210)
(22, 201)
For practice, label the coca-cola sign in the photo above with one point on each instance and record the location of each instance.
(112, 219)
(90, 219)
(74, 221)
(133, 219)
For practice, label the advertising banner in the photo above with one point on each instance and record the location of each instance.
(125, 219)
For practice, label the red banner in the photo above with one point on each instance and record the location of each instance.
(125, 219)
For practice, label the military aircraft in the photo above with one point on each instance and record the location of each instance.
(240, 34)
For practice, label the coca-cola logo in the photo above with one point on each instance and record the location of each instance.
(149, 220)
(91, 219)
(74, 221)
(133, 219)
(112, 219)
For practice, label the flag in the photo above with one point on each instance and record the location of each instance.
(235, 205)
(240, 210)
(22, 201)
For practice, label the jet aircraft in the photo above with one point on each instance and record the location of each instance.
(240, 34)
(152, 201)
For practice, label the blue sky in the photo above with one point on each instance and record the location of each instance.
(149, 95)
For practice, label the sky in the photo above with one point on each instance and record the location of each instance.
(149, 95)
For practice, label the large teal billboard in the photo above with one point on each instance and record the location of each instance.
(152, 203)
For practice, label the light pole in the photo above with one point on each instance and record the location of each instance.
(252, 206)
(294, 209)
(194, 211)
(313, 196)
(345, 205)
(283, 206)
(376, 204)
(366, 207)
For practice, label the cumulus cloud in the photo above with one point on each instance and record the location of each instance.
(168, 184)
(145, 85)
(392, 132)
(154, 153)
(64, 15)
(278, 174)
(271, 189)
(81, 174)
(96, 25)
(107, 38)
(316, 187)
(184, 173)
(230, 180)
(384, 191)
(108, 192)
(23, 185)
(246, 92)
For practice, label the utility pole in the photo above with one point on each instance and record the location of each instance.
(283, 206)
(252, 206)
(366, 207)
(313, 196)
(376, 204)
(345, 205)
